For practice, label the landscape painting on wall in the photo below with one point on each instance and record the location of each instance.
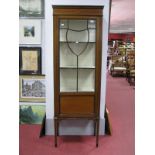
(31, 114)
(30, 31)
(31, 8)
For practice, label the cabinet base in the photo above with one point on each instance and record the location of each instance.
(56, 128)
(71, 127)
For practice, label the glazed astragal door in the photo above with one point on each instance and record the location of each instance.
(77, 60)
(77, 41)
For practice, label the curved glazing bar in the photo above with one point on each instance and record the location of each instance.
(71, 48)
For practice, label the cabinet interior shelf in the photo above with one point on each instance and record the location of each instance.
(77, 68)
(76, 42)
(79, 30)
(75, 92)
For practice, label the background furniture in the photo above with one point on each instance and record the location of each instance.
(118, 65)
(131, 67)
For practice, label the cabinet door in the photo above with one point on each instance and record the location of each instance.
(77, 48)
(77, 65)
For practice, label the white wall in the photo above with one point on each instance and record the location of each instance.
(43, 57)
(68, 127)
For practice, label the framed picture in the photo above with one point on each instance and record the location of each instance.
(31, 114)
(29, 31)
(32, 88)
(31, 8)
(29, 60)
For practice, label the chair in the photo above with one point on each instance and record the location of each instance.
(131, 71)
(130, 75)
(118, 66)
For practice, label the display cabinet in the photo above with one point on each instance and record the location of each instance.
(77, 64)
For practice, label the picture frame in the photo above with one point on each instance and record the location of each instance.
(30, 61)
(30, 31)
(32, 88)
(31, 8)
(31, 114)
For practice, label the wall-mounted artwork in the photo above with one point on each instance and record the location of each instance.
(29, 31)
(29, 60)
(32, 88)
(31, 8)
(31, 114)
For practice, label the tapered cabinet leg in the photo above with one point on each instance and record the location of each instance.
(55, 131)
(57, 128)
(97, 132)
(94, 127)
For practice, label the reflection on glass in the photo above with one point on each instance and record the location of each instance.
(91, 24)
(63, 24)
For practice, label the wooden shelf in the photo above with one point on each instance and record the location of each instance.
(73, 30)
(77, 68)
(75, 42)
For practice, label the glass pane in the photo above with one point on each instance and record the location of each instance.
(77, 48)
(68, 80)
(74, 36)
(67, 58)
(92, 35)
(77, 24)
(86, 80)
(87, 58)
(62, 37)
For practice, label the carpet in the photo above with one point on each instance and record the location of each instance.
(120, 103)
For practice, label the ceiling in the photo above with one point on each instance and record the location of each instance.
(122, 16)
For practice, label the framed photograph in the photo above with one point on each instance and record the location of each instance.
(31, 8)
(32, 88)
(29, 31)
(31, 114)
(29, 60)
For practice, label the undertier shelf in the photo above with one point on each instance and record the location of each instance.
(68, 67)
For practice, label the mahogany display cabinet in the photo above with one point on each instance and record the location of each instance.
(77, 64)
